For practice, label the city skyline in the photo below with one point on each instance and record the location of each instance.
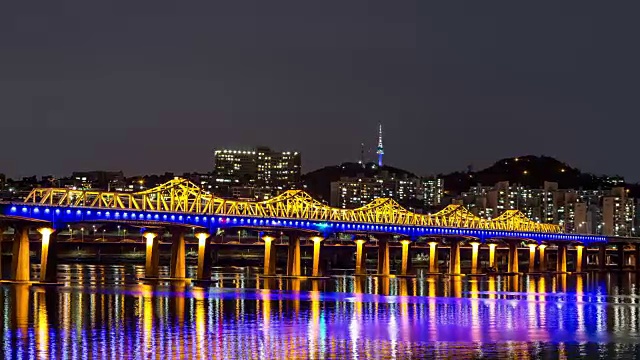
(372, 160)
(82, 91)
(291, 179)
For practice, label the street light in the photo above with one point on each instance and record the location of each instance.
(124, 233)
(82, 234)
(70, 232)
(103, 234)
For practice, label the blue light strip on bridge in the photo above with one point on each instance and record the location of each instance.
(63, 215)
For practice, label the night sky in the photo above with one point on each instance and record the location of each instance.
(148, 87)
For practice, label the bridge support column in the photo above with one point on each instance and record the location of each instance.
(317, 247)
(621, 259)
(475, 247)
(20, 265)
(602, 258)
(2, 230)
(406, 258)
(178, 268)
(454, 258)
(433, 257)
(269, 256)
(543, 258)
(492, 255)
(513, 258)
(48, 256)
(361, 268)
(561, 264)
(532, 258)
(152, 259)
(637, 264)
(204, 258)
(293, 259)
(383, 257)
(579, 258)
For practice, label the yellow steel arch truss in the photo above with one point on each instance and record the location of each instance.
(180, 195)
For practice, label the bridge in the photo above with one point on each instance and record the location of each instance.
(180, 206)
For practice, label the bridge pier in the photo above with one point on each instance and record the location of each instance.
(454, 258)
(317, 247)
(405, 266)
(579, 258)
(384, 268)
(621, 259)
(203, 272)
(293, 259)
(492, 255)
(532, 258)
(178, 268)
(433, 257)
(2, 230)
(48, 256)
(602, 258)
(543, 258)
(152, 259)
(513, 267)
(269, 256)
(637, 264)
(361, 256)
(20, 265)
(475, 247)
(561, 259)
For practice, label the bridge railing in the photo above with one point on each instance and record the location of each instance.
(182, 196)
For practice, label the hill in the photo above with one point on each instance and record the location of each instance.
(531, 171)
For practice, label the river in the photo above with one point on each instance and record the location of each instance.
(104, 312)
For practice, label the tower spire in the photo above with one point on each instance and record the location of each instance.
(380, 150)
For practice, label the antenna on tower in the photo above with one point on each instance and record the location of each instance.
(361, 161)
(380, 149)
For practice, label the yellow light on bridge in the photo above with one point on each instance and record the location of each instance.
(202, 238)
(46, 235)
(149, 236)
(182, 196)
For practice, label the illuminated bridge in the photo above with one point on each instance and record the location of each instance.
(179, 205)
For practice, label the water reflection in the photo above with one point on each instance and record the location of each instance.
(522, 316)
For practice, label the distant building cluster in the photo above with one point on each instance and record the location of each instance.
(414, 192)
(607, 212)
(259, 173)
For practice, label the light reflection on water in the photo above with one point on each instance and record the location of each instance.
(101, 312)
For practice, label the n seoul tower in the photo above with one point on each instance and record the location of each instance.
(380, 150)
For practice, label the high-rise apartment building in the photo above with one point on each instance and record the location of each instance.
(618, 213)
(256, 173)
(432, 191)
(349, 193)
(607, 212)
